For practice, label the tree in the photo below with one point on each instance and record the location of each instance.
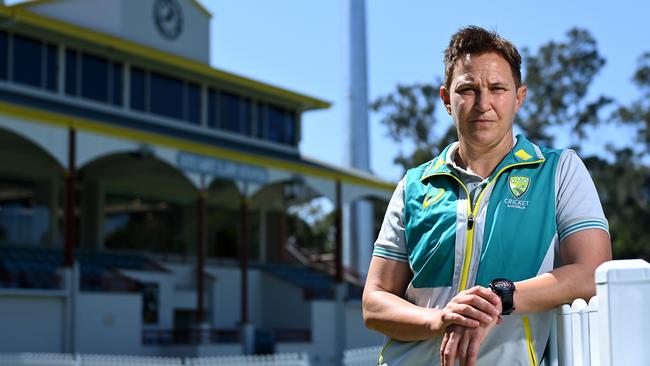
(409, 115)
(558, 76)
(624, 184)
(638, 111)
(624, 190)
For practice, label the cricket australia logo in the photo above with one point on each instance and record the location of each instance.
(519, 185)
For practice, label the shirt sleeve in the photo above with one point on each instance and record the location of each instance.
(578, 205)
(391, 242)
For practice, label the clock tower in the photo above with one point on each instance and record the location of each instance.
(181, 27)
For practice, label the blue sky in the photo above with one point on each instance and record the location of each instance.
(300, 45)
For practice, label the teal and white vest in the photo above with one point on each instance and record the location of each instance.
(510, 231)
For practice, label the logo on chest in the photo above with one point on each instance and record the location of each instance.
(432, 197)
(518, 187)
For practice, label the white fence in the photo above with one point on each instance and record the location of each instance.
(613, 329)
(361, 356)
(55, 359)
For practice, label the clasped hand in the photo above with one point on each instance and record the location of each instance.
(467, 320)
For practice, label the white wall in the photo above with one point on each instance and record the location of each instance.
(134, 20)
(283, 306)
(109, 323)
(226, 298)
(31, 321)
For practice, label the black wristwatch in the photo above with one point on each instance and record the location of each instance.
(505, 289)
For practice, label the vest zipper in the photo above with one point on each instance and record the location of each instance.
(472, 212)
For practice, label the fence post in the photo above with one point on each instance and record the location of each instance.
(623, 289)
(564, 336)
(592, 314)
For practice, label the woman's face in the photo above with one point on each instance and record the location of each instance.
(483, 100)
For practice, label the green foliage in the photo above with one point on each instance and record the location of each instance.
(624, 189)
(409, 115)
(638, 111)
(558, 76)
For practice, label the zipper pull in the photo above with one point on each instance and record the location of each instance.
(470, 222)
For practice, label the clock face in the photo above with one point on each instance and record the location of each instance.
(168, 17)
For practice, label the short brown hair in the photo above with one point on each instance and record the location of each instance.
(474, 40)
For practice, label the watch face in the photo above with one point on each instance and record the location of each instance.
(168, 16)
(503, 286)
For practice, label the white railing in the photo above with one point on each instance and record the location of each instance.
(279, 359)
(361, 356)
(37, 359)
(120, 360)
(577, 334)
(62, 359)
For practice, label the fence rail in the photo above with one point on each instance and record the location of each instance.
(63, 359)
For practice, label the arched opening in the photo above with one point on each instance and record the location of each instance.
(223, 219)
(295, 222)
(135, 202)
(30, 194)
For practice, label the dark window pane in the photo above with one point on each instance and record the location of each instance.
(230, 112)
(117, 77)
(290, 129)
(71, 72)
(137, 89)
(194, 103)
(212, 108)
(4, 54)
(94, 78)
(276, 124)
(166, 96)
(51, 67)
(27, 57)
(246, 117)
(260, 123)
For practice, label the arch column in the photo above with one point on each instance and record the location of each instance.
(70, 201)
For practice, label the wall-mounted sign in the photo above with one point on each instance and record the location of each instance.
(222, 168)
(168, 16)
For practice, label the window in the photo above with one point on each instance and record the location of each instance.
(290, 130)
(26, 61)
(212, 108)
(261, 120)
(276, 124)
(166, 96)
(51, 65)
(230, 112)
(246, 116)
(4, 55)
(117, 83)
(193, 103)
(138, 87)
(94, 78)
(71, 72)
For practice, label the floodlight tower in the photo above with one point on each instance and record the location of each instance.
(359, 237)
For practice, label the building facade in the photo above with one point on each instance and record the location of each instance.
(144, 195)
